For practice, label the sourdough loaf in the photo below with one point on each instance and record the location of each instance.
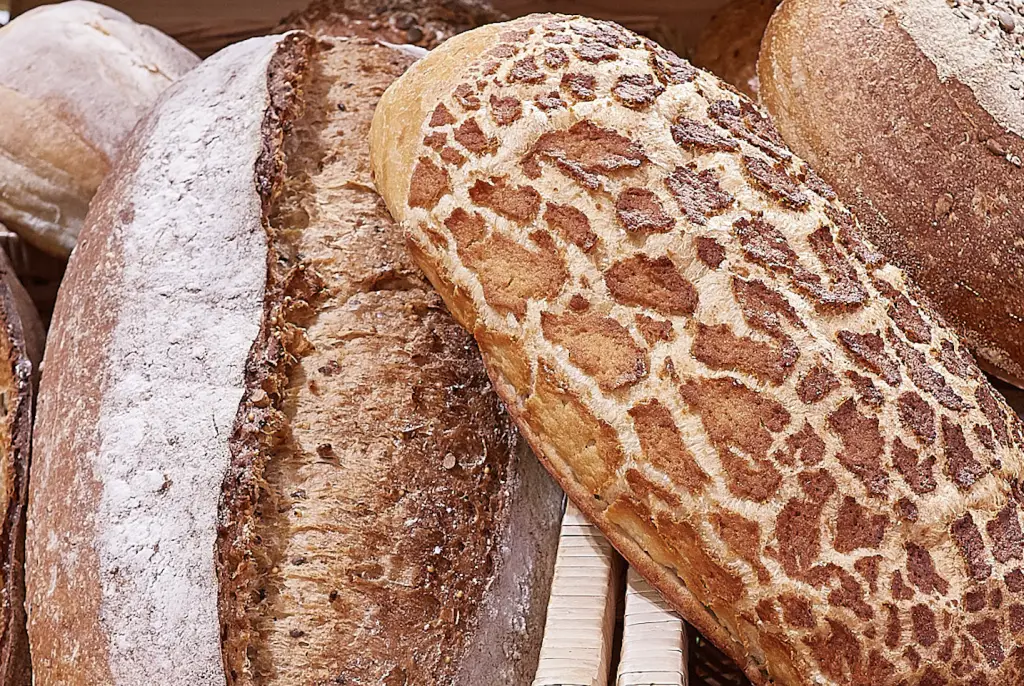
(729, 44)
(750, 402)
(21, 348)
(266, 454)
(74, 79)
(914, 111)
(426, 24)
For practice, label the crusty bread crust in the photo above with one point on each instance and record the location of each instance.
(74, 79)
(21, 341)
(910, 112)
(426, 24)
(382, 520)
(144, 376)
(224, 346)
(752, 404)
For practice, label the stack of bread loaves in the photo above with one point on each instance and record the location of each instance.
(269, 453)
(754, 406)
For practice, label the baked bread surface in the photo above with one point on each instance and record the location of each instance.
(265, 453)
(21, 349)
(755, 407)
(914, 111)
(75, 77)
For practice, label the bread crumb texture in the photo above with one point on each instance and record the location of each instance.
(736, 387)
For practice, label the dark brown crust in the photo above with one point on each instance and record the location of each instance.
(21, 346)
(935, 196)
(256, 430)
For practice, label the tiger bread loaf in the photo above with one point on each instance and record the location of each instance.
(74, 79)
(265, 452)
(21, 348)
(914, 111)
(754, 406)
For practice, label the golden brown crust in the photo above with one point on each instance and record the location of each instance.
(729, 44)
(783, 379)
(934, 176)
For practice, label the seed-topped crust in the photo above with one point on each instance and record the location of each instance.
(824, 501)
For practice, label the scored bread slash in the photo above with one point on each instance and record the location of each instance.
(654, 648)
(760, 413)
(577, 645)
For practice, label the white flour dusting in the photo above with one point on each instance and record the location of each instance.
(195, 268)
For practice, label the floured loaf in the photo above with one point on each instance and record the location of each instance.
(266, 455)
(752, 404)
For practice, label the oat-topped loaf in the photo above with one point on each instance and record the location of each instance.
(750, 402)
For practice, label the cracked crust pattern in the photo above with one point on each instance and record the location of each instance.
(751, 403)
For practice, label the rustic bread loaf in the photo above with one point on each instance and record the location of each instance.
(914, 111)
(74, 79)
(21, 348)
(729, 44)
(426, 24)
(753, 405)
(266, 454)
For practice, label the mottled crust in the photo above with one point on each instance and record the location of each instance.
(74, 79)
(426, 24)
(729, 44)
(746, 464)
(254, 402)
(912, 115)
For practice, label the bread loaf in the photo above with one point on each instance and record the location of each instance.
(74, 79)
(21, 348)
(729, 44)
(426, 24)
(914, 111)
(266, 454)
(751, 403)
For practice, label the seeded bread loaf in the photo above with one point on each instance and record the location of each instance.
(266, 454)
(914, 111)
(21, 348)
(751, 403)
(74, 79)
(729, 44)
